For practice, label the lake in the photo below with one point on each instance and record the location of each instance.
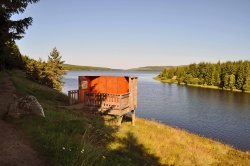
(221, 115)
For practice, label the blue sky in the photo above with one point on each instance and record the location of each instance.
(133, 33)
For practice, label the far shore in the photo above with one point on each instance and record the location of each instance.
(171, 81)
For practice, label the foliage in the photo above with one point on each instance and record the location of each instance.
(11, 57)
(54, 69)
(70, 137)
(228, 75)
(47, 73)
(11, 30)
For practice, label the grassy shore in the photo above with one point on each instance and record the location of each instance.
(171, 81)
(73, 137)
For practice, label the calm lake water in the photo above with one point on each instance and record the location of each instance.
(220, 115)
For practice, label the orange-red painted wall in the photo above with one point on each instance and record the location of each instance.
(103, 84)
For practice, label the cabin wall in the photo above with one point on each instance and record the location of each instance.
(103, 84)
(109, 84)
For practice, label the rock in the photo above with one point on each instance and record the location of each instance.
(27, 105)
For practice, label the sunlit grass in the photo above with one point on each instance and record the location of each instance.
(175, 146)
(205, 86)
(73, 137)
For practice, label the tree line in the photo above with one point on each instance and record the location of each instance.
(44, 72)
(227, 75)
(48, 72)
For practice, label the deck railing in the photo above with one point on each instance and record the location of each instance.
(73, 96)
(104, 101)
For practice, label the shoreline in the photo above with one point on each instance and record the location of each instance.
(170, 81)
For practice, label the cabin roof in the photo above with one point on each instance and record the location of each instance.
(107, 76)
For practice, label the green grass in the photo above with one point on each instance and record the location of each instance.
(71, 137)
(205, 86)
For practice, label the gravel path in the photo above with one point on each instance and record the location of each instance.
(15, 149)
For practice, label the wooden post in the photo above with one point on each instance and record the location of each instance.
(69, 96)
(120, 102)
(133, 117)
(119, 122)
(85, 99)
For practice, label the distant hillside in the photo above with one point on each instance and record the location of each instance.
(145, 68)
(76, 67)
(151, 68)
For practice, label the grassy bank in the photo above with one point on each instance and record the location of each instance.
(71, 137)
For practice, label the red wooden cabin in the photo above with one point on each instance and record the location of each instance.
(115, 95)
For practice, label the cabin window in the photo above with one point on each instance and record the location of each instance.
(84, 85)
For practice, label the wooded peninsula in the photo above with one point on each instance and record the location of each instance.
(228, 75)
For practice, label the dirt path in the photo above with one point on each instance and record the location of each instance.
(15, 150)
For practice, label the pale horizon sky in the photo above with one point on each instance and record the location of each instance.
(135, 33)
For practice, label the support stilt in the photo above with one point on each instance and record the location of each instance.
(133, 117)
(119, 122)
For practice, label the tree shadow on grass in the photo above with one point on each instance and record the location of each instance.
(133, 153)
(127, 151)
(81, 138)
(76, 137)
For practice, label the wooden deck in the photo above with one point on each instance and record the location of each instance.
(112, 104)
(115, 104)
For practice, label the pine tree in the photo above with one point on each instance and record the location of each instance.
(170, 73)
(11, 30)
(231, 81)
(240, 77)
(188, 79)
(54, 70)
(217, 72)
(246, 86)
(224, 75)
(192, 69)
(225, 81)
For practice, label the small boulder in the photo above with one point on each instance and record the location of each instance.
(27, 105)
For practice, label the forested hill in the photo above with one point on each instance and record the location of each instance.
(151, 68)
(146, 68)
(227, 75)
(76, 67)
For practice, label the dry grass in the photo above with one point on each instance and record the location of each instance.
(177, 147)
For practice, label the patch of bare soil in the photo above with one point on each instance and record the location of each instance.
(15, 149)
